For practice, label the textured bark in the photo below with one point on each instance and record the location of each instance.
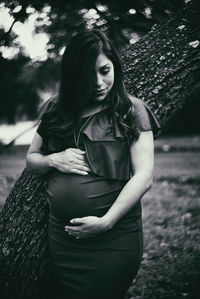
(24, 256)
(163, 69)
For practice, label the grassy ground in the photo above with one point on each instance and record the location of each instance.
(171, 219)
(177, 143)
(171, 261)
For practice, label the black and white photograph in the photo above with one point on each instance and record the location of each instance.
(100, 149)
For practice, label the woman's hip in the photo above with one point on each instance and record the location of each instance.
(99, 269)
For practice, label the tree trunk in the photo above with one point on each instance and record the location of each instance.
(163, 69)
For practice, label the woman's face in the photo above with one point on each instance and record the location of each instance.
(103, 77)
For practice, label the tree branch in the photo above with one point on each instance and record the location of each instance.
(19, 16)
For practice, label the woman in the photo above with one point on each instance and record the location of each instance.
(96, 144)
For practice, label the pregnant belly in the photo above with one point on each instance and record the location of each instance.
(73, 195)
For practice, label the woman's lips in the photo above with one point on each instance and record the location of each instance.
(101, 91)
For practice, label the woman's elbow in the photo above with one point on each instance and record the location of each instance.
(29, 164)
(149, 182)
(145, 179)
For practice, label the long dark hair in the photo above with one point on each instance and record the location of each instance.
(77, 66)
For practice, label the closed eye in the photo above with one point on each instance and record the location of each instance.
(105, 70)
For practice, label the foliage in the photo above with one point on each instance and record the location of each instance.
(18, 91)
(124, 21)
(114, 16)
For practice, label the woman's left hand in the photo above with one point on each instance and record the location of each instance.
(86, 227)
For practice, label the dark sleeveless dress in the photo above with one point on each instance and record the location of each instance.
(98, 267)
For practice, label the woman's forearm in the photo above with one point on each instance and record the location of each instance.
(136, 187)
(38, 163)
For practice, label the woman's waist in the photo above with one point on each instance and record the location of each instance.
(71, 195)
(71, 189)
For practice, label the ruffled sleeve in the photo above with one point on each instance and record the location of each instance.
(145, 120)
(45, 107)
(40, 129)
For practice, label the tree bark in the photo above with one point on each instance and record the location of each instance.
(163, 69)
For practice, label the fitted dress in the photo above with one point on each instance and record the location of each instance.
(102, 266)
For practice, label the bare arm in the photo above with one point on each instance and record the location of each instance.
(71, 160)
(36, 162)
(142, 159)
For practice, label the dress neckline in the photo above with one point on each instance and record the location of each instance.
(93, 110)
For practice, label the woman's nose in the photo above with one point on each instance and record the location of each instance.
(99, 80)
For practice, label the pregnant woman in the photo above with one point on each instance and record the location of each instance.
(96, 144)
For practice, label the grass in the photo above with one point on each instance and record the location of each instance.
(177, 143)
(170, 267)
(171, 261)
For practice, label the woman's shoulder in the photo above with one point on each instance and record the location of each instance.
(144, 116)
(138, 104)
(45, 107)
(43, 110)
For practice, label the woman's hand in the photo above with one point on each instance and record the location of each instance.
(72, 160)
(86, 227)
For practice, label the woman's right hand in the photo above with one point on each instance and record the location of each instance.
(71, 160)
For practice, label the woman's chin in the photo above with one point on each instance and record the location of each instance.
(99, 98)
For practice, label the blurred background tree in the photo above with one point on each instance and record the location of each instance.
(125, 22)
